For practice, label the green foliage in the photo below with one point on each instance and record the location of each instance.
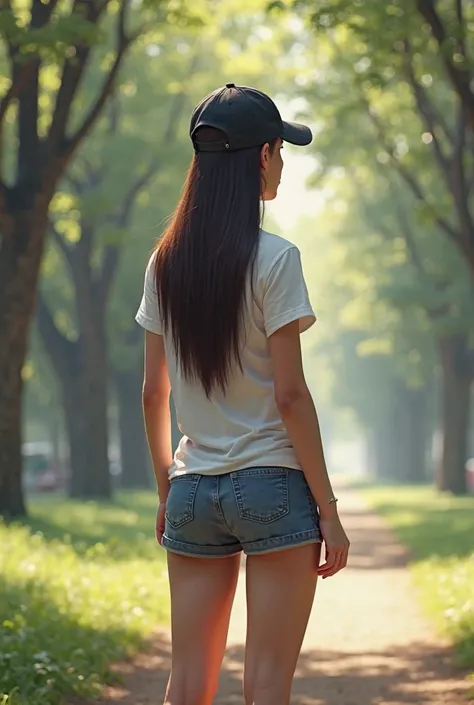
(438, 530)
(41, 400)
(367, 337)
(386, 98)
(81, 586)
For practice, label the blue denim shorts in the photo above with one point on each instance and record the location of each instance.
(257, 510)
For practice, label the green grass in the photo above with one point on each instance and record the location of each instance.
(81, 585)
(439, 531)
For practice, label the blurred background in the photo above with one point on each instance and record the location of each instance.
(96, 97)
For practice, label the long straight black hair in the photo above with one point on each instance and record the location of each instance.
(204, 258)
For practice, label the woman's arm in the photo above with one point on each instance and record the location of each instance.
(297, 410)
(156, 410)
(296, 407)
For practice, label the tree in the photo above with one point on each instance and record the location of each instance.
(384, 105)
(450, 26)
(398, 74)
(381, 354)
(48, 47)
(42, 418)
(125, 335)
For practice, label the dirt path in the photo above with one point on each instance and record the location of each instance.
(366, 642)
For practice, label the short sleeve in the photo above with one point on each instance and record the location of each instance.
(286, 296)
(148, 315)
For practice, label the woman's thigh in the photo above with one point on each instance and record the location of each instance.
(280, 593)
(202, 593)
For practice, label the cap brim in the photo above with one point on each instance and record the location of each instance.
(298, 134)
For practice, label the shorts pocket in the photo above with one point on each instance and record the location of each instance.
(261, 493)
(180, 502)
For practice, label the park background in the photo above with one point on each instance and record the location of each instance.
(95, 103)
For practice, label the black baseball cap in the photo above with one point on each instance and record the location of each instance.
(247, 117)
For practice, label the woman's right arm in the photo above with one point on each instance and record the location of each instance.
(298, 413)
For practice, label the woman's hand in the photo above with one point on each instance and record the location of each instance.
(160, 521)
(336, 544)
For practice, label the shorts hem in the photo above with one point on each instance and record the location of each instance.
(280, 543)
(196, 551)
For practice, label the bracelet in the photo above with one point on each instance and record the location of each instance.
(333, 500)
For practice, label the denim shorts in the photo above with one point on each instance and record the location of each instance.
(257, 510)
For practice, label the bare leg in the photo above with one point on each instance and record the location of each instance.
(202, 593)
(280, 593)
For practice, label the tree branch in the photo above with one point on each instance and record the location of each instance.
(16, 86)
(24, 88)
(461, 190)
(407, 232)
(60, 242)
(462, 34)
(111, 254)
(451, 167)
(410, 179)
(430, 116)
(41, 13)
(177, 107)
(73, 71)
(92, 178)
(470, 363)
(459, 74)
(85, 244)
(110, 260)
(28, 139)
(18, 82)
(123, 43)
(59, 347)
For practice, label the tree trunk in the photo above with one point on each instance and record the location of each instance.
(55, 437)
(82, 371)
(456, 383)
(21, 248)
(137, 469)
(135, 459)
(412, 440)
(398, 443)
(85, 403)
(383, 448)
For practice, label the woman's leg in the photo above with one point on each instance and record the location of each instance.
(280, 593)
(202, 593)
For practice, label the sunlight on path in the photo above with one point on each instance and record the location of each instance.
(366, 641)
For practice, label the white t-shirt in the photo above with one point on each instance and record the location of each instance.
(242, 428)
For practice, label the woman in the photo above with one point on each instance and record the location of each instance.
(223, 307)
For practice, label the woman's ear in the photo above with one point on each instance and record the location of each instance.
(264, 156)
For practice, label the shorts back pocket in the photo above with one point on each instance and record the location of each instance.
(261, 493)
(180, 502)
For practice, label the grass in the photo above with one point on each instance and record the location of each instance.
(439, 531)
(81, 585)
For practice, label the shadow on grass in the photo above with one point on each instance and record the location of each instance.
(428, 523)
(127, 522)
(418, 674)
(435, 532)
(46, 651)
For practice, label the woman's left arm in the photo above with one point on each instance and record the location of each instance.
(156, 410)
